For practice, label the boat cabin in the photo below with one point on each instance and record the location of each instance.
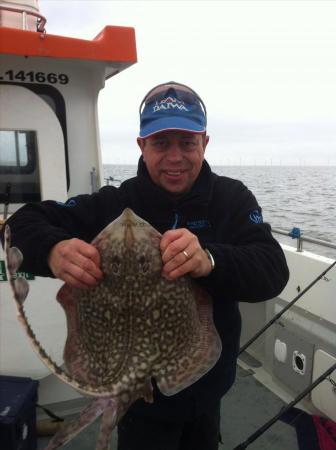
(49, 86)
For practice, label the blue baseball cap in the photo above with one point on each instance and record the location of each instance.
(172, 106)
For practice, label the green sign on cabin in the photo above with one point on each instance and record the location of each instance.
(3, 275)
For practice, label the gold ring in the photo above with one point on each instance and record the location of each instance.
(186, 254)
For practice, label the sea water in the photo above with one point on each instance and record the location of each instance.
(290, 196)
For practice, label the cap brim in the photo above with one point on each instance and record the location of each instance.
(171, 123)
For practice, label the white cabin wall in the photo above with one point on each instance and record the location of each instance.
(305, 267)
(80, 96)
(82, 126)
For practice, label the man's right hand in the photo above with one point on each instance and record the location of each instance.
(76, 262)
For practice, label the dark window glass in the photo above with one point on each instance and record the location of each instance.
(19, 172)
(17, 151)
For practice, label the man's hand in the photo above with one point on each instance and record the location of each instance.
(182, 254)
(76, 263)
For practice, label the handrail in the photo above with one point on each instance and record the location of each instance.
(112, 180)
(300, 238)
(41, 20)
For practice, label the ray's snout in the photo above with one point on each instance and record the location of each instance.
(128, 220)
(128, 215)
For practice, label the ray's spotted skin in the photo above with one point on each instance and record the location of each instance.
(133, 326)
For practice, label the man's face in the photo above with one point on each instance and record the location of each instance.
(174, 158)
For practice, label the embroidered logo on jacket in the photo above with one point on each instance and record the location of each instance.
(256, 216)
(68, 203)
(198, 224)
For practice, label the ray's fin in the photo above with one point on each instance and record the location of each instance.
(200, 357)
(109, 420)
(115, 411)
(14, 259)
(86, 417)
(21, 289)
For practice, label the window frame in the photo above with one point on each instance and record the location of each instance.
(60, 112)
(28, 168)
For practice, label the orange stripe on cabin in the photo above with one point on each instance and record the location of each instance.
(111, 44)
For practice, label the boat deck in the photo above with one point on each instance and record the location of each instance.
(247, 406)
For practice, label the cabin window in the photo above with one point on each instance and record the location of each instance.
(19, 173)
(17, 153)
(55, 100)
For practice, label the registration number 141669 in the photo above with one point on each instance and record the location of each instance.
(35, 77)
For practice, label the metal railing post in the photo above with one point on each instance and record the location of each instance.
(301, 238)
(40, 20)
(24, 20)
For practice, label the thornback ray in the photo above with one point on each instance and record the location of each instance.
(132, 327)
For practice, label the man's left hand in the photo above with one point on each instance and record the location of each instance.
(182, 254)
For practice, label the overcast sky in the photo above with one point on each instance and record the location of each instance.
(265, 69)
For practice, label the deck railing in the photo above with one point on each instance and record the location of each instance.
(295, 233)
(40, 20)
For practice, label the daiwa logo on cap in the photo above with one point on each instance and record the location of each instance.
(170, 103)
(172, 106)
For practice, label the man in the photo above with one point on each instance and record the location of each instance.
(212, 230)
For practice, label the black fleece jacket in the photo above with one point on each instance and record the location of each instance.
(249, 263)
